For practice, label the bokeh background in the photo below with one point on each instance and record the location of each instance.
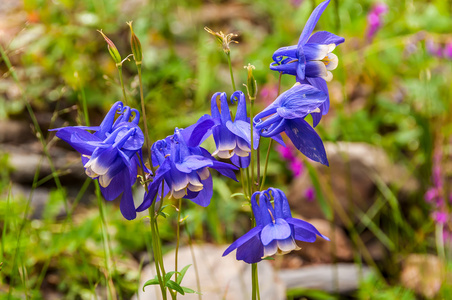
(385, 200)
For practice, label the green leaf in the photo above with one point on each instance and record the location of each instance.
(182, 274)
(163, 214)
(151, 282)
(268, 258)
(172, 285)
(237, 195)
(189, 291)
(168, 275)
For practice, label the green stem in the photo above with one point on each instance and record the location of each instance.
(254, 274)
(195, 265)
(264, 176)
(143, 111)
(177, 236)
(230, 71)
(122, 83)
(156, 248)
(242, 179)
(105, 240)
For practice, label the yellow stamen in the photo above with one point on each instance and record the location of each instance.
(326, 60)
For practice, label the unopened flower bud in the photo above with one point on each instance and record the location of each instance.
(223, 39)
(136, 45)
(251, 85)
(112, 49)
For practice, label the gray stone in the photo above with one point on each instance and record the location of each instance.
(341, 278)
(219, 277)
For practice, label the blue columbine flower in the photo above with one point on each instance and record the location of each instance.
(184, 169)
(110, 153)
(311, 60)
(275, 232)
(287, 114)
(232, 137)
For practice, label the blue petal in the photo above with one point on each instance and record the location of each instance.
(102, 159)
(286, 68)
(300, 101)
(242, 129)
(306, 140)
(249, 247)
(301, 67)
(199, 132)
(315, 69)
(261, 211)
(225, 169)
(274, 119)
(107, 124)
(269, 110)
(225, 114)
(325, 37)
(241, 106)
(127, 206)
(214, 111)
(78, 139)
(275, 129)
(315, 51)
(193, 162)
(241, 162)
(282, 208)
(290, 51)
(278, 230)
(305, 231)
(153, 188)
(114, 189)
(312, 21)
(136, 141)
(320, 83)
(279, 140)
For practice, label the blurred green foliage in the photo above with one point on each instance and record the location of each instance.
(389, 92)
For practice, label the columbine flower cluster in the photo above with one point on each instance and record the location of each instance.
(112, 152)
(311, 62)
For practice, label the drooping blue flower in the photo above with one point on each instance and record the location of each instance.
(184, 169)
(275, 232)
(311, 60)
(232, 136)
(110, 153)
(287, 114)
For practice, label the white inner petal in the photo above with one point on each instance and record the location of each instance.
(225, 154)
(287, 245)
(328, 77)
(104, 180)
(204, 173)
(270, 249)
(332, 61)
(178, 194)
(331, 47)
